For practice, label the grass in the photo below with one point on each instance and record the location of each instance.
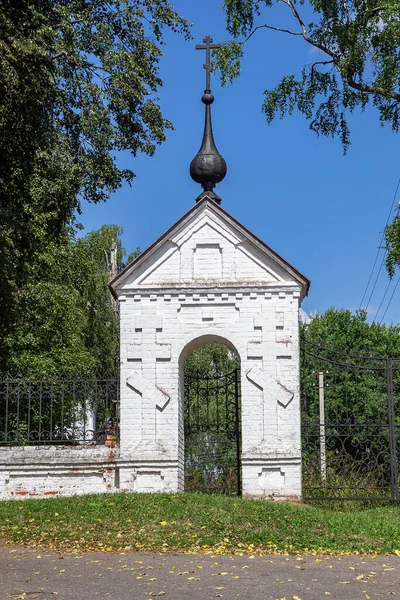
(197, 523)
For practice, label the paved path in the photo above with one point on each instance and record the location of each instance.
(30, 575)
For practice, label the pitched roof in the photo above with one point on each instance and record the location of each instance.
(297, 275)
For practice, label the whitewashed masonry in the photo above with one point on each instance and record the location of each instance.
(208, 279)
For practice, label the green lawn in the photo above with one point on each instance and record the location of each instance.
(198, 523)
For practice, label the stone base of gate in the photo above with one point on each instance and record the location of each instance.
(278, 478)
(150, 477)
(65, 471)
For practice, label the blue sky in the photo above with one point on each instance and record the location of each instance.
(322, 211)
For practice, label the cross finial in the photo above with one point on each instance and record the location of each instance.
(208, 167)
(207, 46)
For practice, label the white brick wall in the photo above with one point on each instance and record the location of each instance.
(29, 471)
(249, 302)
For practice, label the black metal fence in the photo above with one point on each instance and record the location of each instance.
(350, 414)
(58, 411)
(350, 420)
(213, 434)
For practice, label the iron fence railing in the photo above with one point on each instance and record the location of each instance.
(350, 417)
(59, 411)
(350, 421)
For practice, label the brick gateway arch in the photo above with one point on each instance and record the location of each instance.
(209, 278)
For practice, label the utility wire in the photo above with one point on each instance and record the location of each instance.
(370, 275)
(379, 249)
(376, 278)
(383, 298)
(390, 300)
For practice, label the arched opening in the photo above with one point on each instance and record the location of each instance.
(211, 417)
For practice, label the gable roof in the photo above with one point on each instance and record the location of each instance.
(216, 208)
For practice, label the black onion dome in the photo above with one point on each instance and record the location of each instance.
(208, 167)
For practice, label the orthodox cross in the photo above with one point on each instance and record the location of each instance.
(207, 46)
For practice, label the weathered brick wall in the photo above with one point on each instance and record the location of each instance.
(207, 282)
(40, 471)
(45, 471)
(262, 327)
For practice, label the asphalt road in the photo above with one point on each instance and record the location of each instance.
(33, 575)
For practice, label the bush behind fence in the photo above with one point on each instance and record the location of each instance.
(353, 453)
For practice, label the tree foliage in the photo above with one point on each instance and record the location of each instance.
(85, 74)
(66, 322)
(78, 84)
(392, 238)
(357, 44)
(353, 355)
(350, 334)
(210, 360)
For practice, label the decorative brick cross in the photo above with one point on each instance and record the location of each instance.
(148, 349)
(276, 341)
(270, 386)
(146, 389)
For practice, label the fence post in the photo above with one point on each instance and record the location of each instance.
(237, 415)
(392, 432)
(322, 440)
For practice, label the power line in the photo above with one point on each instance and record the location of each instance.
(376, 279)
(370, 275)
(383, 298)
(390, 300)
(379, 249)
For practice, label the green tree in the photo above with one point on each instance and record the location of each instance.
(78, 84)
(353, 355)
(348, 333)
(358, 60)
(66, 321)
(356, 47)
(210, 360)
(353, 352)
(392, 238)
